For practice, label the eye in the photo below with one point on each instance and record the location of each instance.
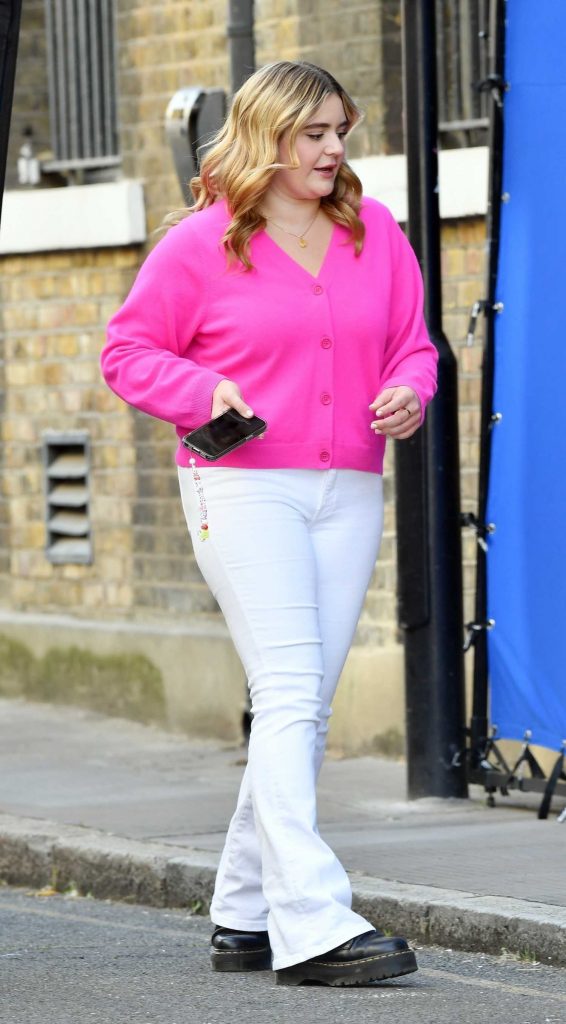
(315, 137)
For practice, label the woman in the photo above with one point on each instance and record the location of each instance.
(286, 289)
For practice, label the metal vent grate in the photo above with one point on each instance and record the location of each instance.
(66, 459)
(82, 83)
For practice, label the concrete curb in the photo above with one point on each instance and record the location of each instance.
(36, 852)
(464, 920)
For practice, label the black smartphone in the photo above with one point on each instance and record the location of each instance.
(223, 434)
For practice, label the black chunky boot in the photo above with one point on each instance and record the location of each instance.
(365, 958)
(232, 950)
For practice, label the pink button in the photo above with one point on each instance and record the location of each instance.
(326, 343)
(324, 456)
(317, 289)
(325, 398)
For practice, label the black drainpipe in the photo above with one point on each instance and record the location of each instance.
(427, 469)
(242, 43)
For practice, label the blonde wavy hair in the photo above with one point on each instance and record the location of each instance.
(242, 158)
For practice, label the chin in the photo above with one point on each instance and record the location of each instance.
(325, 188)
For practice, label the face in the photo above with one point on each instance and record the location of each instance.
(320, 150)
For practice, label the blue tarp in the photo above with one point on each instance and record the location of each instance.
(527, 493)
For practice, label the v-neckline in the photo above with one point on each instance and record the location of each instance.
(287, 256)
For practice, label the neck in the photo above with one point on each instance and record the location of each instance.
(289, 211)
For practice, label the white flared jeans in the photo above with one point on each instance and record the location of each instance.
(288, 556)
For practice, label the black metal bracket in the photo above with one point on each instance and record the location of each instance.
(482, 530)
(473, 629)
(494, 84)
(480, 306)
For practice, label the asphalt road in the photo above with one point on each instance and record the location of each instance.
(71, 960)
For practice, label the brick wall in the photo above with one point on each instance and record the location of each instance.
(345, 38)
(463, 264)
(163, 47)
(464, 268)
(176, 44)
(55, 307)
(358, 42)
(165, 576)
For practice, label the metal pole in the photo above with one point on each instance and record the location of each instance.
(10, 16)
(242, 65)
(242, 44)
(479, 723)
(427, 468)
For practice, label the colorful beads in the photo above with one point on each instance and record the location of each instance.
(203, 532)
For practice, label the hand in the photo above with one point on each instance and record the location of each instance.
(398, 413)
(227, 395)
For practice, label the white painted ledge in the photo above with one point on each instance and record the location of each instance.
(113, 213)
(463, 181)
(77, 217)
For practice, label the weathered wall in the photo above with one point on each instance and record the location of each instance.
(177, 43)
(163, 47)
(358, 42)
(55, 307)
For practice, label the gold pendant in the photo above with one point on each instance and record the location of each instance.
(302, 243)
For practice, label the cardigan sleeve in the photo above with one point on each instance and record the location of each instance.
(143, 360)
(410, 357)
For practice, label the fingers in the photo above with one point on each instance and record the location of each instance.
(397, 413)
(400, 424)
(240, 406)
(391, 400)
(405, 434)
(384, 406)
(227, 395)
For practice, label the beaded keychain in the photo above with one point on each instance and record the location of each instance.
(203, 532)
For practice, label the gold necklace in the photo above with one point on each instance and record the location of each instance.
(302, 234)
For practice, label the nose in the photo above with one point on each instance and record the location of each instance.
(335, 145)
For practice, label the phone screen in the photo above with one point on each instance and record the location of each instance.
(223, 434)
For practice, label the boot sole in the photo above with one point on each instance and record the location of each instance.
(251, 960)
(360, 972)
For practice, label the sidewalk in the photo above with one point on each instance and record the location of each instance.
(127, 811)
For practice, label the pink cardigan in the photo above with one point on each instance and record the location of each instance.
(309, 353)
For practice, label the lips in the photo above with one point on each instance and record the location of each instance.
(330, 167)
